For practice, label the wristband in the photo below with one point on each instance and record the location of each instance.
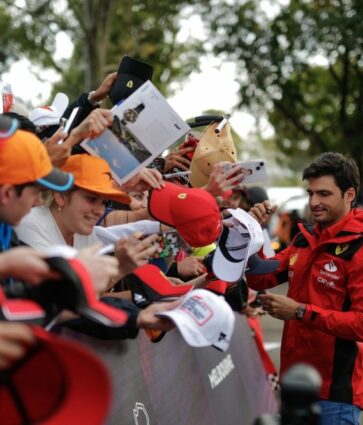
(91, 101)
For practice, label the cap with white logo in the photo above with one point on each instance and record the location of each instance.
(203, 318)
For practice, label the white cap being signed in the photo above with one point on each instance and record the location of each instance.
(203, 318)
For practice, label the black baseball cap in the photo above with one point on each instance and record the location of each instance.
(132, 73)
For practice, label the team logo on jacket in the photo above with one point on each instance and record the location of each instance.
(341, 248)
(328, 276)
(293, 259)
(330, 267)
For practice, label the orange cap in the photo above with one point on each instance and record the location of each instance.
(24, 159)
(94, 174)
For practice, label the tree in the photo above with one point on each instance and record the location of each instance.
(303, 68)
(102, 31)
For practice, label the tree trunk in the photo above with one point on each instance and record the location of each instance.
(96, 26)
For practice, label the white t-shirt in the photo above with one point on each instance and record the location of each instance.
(39, 230)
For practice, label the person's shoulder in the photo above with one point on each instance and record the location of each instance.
(37, 216)
(41, 211)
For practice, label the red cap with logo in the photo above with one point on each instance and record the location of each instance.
(193, 212)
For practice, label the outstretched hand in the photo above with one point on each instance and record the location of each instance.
(134, 252)
(220, 181)
(147, 318)
(148, 178)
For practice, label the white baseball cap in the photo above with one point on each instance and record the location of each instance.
(256, 265)
(204, 319)
(50, 115)
(230, 257)
(237, 249)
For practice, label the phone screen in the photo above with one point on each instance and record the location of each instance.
(158, 163)
(169, 243)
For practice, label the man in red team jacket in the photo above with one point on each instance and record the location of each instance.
(323, 309)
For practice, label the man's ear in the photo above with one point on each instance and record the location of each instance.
(350, 194)
(7, 192)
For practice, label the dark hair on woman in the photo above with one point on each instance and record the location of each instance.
(342, 168)
(24, 122)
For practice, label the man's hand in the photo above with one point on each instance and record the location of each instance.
(147, 319)
(220, 181)
(133, 252)
(279, 306)
(103, 269)
(26, 264)
(177, 159)
(148, 178)
(14, 340)
(58, 153)
(92, 126)
(190, 267)
(262, 212)
(102, 91)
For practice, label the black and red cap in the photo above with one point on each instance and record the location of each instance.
(57, 382)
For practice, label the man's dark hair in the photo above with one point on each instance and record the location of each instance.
(24, 122)
(342, 168)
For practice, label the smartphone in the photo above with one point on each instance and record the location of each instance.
(169, 244)
(158, 163)
(254, 170)
(67, 124)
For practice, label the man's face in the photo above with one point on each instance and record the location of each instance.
(327, 203)
(14, 207)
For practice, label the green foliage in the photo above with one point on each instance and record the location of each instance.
(102, 31)
(303, 67)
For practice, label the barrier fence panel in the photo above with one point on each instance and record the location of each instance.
(170, 383)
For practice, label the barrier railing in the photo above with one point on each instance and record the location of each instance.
(170, 383)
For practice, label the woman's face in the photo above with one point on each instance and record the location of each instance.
(138, 200)
(82, 210)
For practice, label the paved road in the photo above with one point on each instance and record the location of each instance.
(272, 330)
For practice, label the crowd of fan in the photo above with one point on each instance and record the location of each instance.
(54, 201)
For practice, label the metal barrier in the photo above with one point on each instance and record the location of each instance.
(170, 383)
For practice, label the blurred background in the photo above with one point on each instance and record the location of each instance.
(290, 72)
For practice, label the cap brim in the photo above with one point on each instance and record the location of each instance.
(256, 265)
(57, 180)
(8, 126)
(92, 307)
(60, 103)
(149, 281)
(112, 194)
(58, 382)
(197, 178)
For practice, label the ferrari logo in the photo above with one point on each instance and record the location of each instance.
(130, 84)
(182, 195)
(341, 248)
(293, 260)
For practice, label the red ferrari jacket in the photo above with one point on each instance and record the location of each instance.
(324, 270)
